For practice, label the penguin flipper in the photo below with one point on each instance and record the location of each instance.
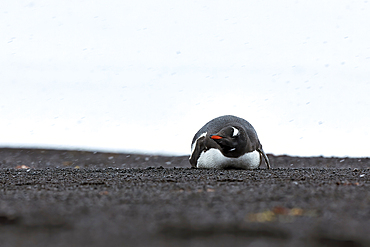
(199, 147)
(260, 150)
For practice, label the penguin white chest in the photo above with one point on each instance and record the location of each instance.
(213, 158)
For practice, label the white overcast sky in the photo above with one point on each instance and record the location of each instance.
(146, 75)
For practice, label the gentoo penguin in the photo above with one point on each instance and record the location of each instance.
(227, 142)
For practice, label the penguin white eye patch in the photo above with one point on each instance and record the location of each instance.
(235, 132)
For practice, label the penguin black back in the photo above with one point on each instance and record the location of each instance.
(218, 123)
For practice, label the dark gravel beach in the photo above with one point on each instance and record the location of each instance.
(79, 198)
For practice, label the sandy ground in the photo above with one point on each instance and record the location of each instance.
(72, 198)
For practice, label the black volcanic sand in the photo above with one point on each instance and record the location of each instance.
(73, 198)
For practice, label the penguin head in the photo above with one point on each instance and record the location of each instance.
(231, 140)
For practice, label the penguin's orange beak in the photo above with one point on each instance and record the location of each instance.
(216, 137)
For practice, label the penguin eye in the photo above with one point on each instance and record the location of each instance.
(235, 132)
